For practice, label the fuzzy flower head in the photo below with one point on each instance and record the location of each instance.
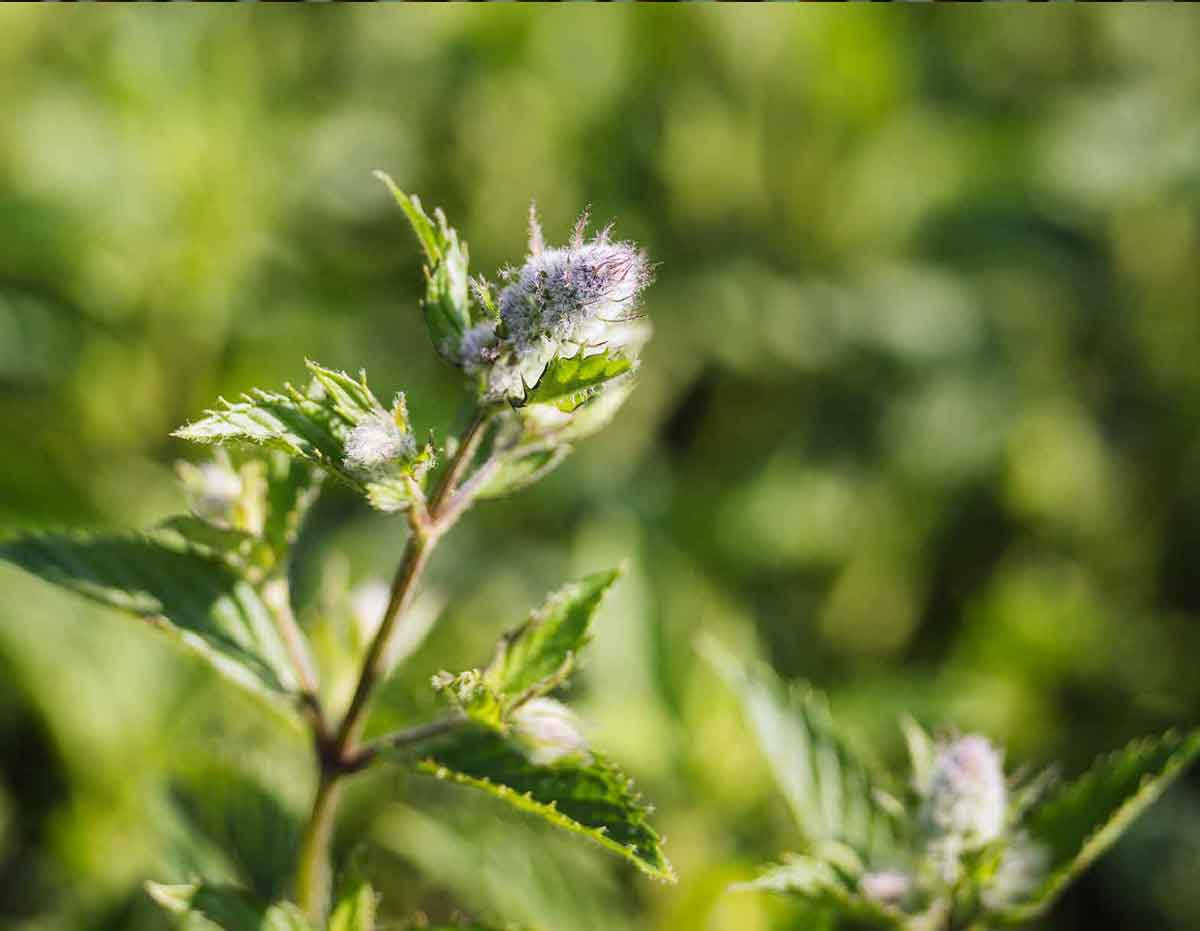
(574, 295)
(549, 732)
(967, 799)
(380, 439)
(891, 887)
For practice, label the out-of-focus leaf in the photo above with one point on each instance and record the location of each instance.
(227, 907)
(447, 303)
(292, 486)
(355, 908)
(822, 885)
(569, 381)
(248, 824)
(1081, 819)
(538, 655)
(315, 427)
(517, 472)
(589, 797)
(239, 549)
(199, 601)
(832, 792)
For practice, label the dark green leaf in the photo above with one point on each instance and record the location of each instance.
(535, 657)
(314, 427)
(588, 797)
(198, 600)
(228, 907)
(1080, 820)
(250, 826)
(569, 381)
(832, 792)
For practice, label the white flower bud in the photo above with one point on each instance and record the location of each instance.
(377, 441)
(549, 732)
(967, 799)
(1022, 867)
(890, 887)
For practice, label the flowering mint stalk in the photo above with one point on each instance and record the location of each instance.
(964, 845)
(547, 360)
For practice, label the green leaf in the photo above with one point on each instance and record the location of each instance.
(355, 908)
(315, 427)
(447, 303)
(832, 792)
(589, 797)
(292, 487)
(239, 549)
(180, 588)
(569, 381)
(537, 656)
(257, 835)
(519, 471)
(227, 907)
(823, 885)
(1080, 820)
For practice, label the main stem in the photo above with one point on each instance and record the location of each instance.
(336, 754)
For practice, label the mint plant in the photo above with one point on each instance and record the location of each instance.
(547, 358)
(962, 845)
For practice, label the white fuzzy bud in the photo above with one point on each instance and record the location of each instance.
(1022, 868)
(377, 441)
(549, 732)
(967, 799)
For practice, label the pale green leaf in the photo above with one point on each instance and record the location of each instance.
(314, 427)
(589, 797)
(447, 303)
(538, 655)
(831, 791)
(198, 600)
(292, 487)
(228, 907)
(569, 381)
(822, 884)
(518, 471)
(1077, 822)
(355, 908)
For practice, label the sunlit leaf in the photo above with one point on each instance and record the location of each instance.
(447, 302)
(538, 655)
(355, 908)
(315, 427)
(568, 381)
(517, 472)
(1081, 819)
(198, 600)
(589, 797)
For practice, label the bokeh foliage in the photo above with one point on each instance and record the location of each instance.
(918, 422)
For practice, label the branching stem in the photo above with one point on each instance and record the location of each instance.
(338, 754)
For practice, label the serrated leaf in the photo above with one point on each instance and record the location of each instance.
(832, 792)
(588, 797)
(1081, 819)
(518, 472)
(537, 656)
(355, 908)
(227, 907)
(255, 833)
(569, 381)
(821, 884)
(315, 427)
(199, 601)
(447, 302)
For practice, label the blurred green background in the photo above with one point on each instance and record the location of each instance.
(918, 422)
